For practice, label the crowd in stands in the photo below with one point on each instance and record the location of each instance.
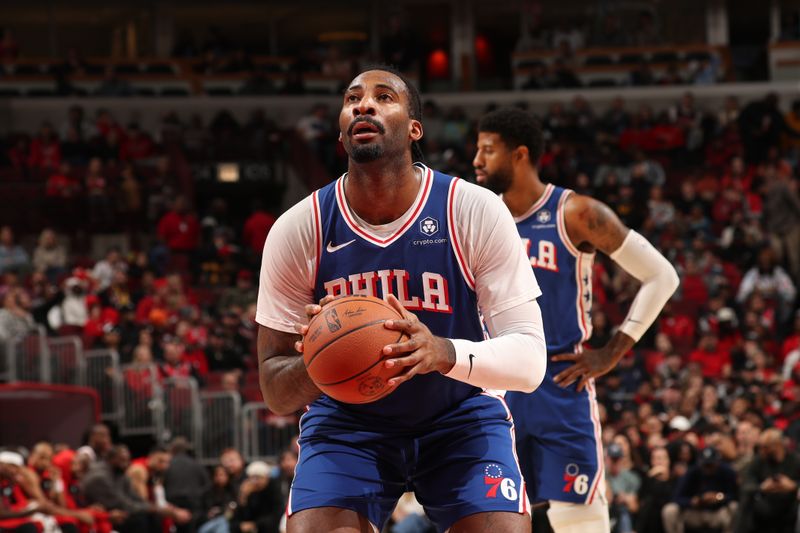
(99, 488)
(701, 421)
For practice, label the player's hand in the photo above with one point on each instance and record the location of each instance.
(426, 352)
(589, 364)
(311, 311)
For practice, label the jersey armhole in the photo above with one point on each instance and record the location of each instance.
(561, 223)
(317, 236)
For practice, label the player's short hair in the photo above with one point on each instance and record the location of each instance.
(516, 127)
(414, 103)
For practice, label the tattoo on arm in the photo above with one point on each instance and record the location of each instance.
(590, 222)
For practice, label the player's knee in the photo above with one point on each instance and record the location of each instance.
(567, 517)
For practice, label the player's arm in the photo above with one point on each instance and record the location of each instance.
(284, 381)
(592, 223)
(285, 300)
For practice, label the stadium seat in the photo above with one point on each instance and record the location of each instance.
(127, 68)
(664, 57)
(631, 59)
(145, 91)
(174, 91)
(603, 82)
(220, 91)
(598, 60)
(159, 68)
(699, 55)
(9, 93)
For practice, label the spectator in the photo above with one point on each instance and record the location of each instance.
(242, 295)
(656, 491)
(15, 317)
(186, 481)
(136, 145)
(705, 496)
(256, 228)
(770, 281)
(316, 129)
(179, 229)
(45, 149)
(231, 460)
(103, 271)
(623, 487)
(782, 210)
(260, 508)
(98, 442)
(50, 256)
(12, 256)
(219, 501)
(769, 487)
(106, 484)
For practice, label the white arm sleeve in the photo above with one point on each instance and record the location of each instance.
(659, 280)
(516, 356)
(514, 359)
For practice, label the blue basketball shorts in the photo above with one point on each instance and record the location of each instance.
(461, 463)
(559, 442)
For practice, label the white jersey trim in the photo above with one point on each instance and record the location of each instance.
(456, 241)
(341, 201)
(548, 191)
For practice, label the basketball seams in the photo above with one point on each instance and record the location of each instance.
(345, 333)
(370, 367)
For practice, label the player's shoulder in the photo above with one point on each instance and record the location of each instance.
(297, 219)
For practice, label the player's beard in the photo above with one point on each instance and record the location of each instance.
(499, 181)
(366, 153)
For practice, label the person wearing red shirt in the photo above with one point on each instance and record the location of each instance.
(45, 149)
(179, 228)
(136, 145)
(714, 361)
(256, 228)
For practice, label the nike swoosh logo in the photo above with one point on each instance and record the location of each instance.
(471, 357)
(331, 248)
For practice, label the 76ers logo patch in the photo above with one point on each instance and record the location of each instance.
(428, 226)
(574, 481)
(543, 216)
(493, 475)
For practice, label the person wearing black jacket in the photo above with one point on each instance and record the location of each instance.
(769, 487)
(260, 503)
(706, 496)
(656, 492)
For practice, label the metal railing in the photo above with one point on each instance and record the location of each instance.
(143, 400)
(265, 437)
(102, 373)
(182, 412)
(222, 425)
(29, 357)
(67, 364)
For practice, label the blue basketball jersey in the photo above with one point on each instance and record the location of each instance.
(558, 428)
(419, 263)
(564, 272)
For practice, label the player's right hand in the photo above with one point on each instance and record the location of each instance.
(311, 311)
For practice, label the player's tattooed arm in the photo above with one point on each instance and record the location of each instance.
(284, 381)
(592, 225)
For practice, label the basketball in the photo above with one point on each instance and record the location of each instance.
(342, 350)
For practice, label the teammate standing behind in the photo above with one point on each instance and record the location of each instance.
(426, 242)
(558, 428)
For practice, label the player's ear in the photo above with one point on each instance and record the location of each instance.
(340, 136)
(415, 130)
(521, 154)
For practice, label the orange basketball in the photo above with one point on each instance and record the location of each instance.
(343, 353)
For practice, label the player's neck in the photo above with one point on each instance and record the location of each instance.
(524, 193)
(380, 193)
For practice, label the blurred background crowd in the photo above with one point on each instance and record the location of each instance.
(136, 229)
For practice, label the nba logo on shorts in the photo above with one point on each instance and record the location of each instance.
(332, 318)
(428, 226)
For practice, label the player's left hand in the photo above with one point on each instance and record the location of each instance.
(426, 352)
(588, 364)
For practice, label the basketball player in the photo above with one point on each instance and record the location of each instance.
(438, 249)
(558, 434)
